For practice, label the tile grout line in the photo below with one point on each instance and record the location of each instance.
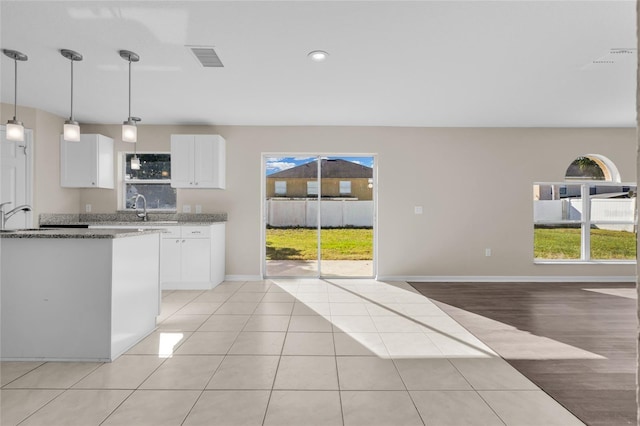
(275, 376)
(221, 361)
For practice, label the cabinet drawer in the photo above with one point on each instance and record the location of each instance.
(171, 232)
(196, 232)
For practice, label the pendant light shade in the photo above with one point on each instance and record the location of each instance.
(129, 131)
(129, 128)
(15, 129)
(135, 162)
(71, 127)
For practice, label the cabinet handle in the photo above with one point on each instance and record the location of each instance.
(177, 241)
(196, 183)
(183, 241)
(190, 183)
(93, 183)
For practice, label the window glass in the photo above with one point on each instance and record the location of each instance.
(312, 187)
(152, 166)
(158, 196)
(585, 168)
(345, 187)
(281, 187)
(153, 180)
(599, 226)
(556, 242)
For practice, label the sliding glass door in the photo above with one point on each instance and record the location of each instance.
(319, 216)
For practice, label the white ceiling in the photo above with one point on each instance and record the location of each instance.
(391, 63)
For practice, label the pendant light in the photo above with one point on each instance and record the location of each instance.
(129, 129)
(135, 161)
(71, 127)
(15, 129)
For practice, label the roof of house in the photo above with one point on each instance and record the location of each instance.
(330, 169)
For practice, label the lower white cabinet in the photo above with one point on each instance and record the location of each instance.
(192, 257)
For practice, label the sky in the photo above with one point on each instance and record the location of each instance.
(277, 164)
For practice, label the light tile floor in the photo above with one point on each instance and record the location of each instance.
(287, 352)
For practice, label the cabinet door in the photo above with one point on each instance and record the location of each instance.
(196, 259)
(170, 260)
(209, 161)
(78, 163)
(182, 158)
(87, 163)
(104, 176)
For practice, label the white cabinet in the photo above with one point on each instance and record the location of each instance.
(192, 257)
(88, 163)
(197, 161)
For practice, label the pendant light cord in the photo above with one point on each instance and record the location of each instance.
(71, 117)
(15, 88)
(129, 88)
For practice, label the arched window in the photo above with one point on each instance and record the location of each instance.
(592, 167)
(589, 216)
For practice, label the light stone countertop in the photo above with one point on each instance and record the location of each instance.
(66, 233)
(129, 218)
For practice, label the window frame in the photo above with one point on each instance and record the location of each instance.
(585, 221)
(125, 182)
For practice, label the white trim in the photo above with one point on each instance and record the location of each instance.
(506, 278)
(243, 278)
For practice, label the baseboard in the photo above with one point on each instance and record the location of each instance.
(243, 278)
(515, 278)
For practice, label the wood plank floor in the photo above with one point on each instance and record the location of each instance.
(576, 341)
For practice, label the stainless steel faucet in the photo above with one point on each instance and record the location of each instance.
(4, 217)
(141, 214)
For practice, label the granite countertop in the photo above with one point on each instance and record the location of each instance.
(76, 233)
(129, 218)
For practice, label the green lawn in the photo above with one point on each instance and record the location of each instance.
(564, 243)
(337, 244)
(357, 244)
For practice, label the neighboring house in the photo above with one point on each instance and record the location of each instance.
(340, 179)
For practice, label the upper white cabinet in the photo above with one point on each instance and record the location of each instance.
(197, 161)
(88, 163)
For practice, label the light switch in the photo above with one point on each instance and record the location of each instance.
(198, 208)
(186, 208)
(87, 208)
(417, 209)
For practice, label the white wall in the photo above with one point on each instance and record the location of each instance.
(492, 169)
(48, 196)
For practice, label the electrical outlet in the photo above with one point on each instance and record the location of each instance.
(198, 208)
(87, 208)
(487, 252)
(417, 210)
(186, 208)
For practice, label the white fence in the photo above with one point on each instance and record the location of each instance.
(602, 210)
(304, 213)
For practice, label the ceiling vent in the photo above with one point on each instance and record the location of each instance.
(207, 56)
(612, 57)
(616, 55)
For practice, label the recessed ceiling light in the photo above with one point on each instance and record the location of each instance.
(318, 55)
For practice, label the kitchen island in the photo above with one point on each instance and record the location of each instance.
(77, 294)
